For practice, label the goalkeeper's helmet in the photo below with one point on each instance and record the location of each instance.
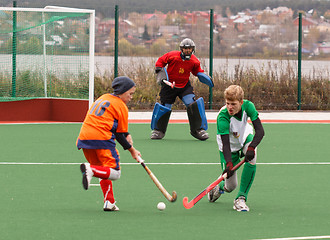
(187, 43)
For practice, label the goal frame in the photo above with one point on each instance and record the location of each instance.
(91, 36)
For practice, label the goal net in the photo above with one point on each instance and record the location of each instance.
(46, 53)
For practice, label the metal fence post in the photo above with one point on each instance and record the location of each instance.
(211, 58)
(14, 49)
(299, 60)
(116, 42)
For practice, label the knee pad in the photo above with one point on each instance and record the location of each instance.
(160, 117)
(231, 183)
(188, 99)
(114, 174)
(196, 115)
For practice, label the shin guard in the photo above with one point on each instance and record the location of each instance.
(100, 171)
(160, 117)
(106, 186)
(196, 115)
(249, 171)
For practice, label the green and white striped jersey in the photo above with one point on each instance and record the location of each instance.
(238, 129)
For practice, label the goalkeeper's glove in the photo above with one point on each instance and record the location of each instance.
(158, 69)
(159, 77)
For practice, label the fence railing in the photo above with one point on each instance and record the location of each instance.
(281, 61)
(145, 35)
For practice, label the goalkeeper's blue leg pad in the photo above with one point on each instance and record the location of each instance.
(160, 117)
(196, 115)
(197, 119)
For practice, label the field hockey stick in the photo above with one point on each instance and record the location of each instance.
(169, 197)
(195, 200)
(172, 85)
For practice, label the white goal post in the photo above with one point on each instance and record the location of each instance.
(22, 27)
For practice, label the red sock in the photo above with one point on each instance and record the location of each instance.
(101, 172)
(106, 186)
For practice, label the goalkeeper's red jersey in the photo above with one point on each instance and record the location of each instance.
(107, 115)
(177, 69)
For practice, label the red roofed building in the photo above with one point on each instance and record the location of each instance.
(197, 16)
(306, 23)
(156, 16)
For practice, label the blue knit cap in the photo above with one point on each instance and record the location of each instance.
(122, 84)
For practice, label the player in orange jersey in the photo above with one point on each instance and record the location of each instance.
(105, 122)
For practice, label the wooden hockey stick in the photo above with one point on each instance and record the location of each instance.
(169, 197)
(195, 200)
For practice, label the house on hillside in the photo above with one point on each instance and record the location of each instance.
(283, 13)
(154, 19)
(169, 30)
(324, 48)
(306, 23)
(241, 22)
(324, 27)
(105, 26)
(127, 27)
(265, 29)
(221, 22)
(197, 17)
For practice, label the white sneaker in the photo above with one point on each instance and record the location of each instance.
(214, 194)
(240, 205)
(108, 206)
(87, 173)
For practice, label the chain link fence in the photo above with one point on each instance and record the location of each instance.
(256, 49)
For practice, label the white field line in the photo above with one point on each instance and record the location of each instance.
(301, 163)
(96, 185)
(297, 238)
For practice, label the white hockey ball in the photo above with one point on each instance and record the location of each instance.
(161, 206)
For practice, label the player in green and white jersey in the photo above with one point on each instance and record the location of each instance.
(236, 139)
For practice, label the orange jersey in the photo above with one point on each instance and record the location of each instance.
(107, 116)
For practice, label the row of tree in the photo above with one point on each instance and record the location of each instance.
(106, 7)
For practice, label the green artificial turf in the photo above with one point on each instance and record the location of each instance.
(47, 201)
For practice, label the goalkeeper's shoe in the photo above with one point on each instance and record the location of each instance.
(214, 194)
(200, 134)
(156, 134)
(108, 206)
(240, 204)
(87, 174)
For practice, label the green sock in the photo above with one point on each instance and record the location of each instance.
(247, 178)
(221, 185)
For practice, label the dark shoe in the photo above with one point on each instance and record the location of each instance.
(214, 194)
(200, 134)
(155, 134)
